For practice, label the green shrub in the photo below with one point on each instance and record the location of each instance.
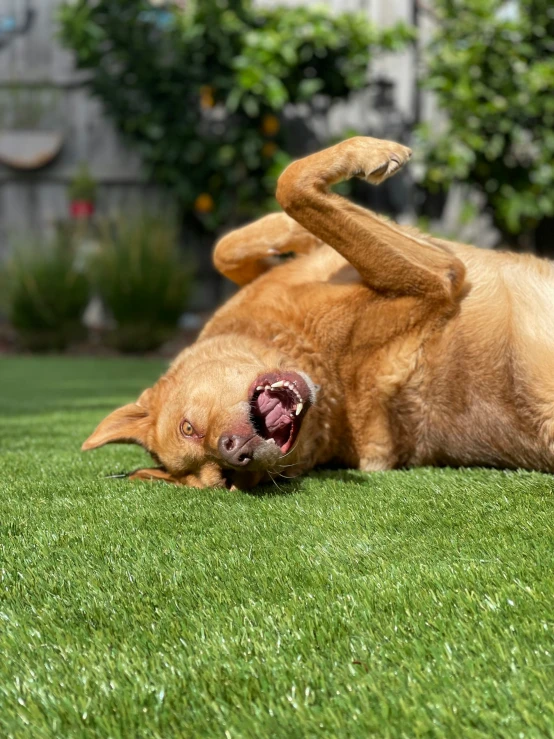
(491, 68)
(201, 91)
(46, 295)
(83, 186)
(139, 275)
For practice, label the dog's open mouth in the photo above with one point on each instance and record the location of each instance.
(278, 403)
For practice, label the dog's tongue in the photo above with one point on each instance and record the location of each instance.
(274, 410)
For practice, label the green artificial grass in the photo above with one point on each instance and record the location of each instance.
(405, 604)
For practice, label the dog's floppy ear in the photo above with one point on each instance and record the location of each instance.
(188, 479)
(155, 473)
(129, 424)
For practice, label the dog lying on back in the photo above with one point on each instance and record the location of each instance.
(378, 347)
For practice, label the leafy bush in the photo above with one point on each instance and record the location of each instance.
(201, 90)
(138, 273)
(491, 67)
(46, 295)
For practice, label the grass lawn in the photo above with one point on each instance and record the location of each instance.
(405, 604)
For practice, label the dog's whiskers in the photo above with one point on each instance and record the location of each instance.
(285, 477)
(274, 482)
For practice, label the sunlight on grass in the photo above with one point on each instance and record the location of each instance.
(414, 603)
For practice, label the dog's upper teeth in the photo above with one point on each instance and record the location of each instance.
(267, 387)
(260, 387)
(286, 383)
(299, 408)
(278, 384)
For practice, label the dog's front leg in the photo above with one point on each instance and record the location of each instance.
(389, 259)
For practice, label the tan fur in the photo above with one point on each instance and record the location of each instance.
(425, 351)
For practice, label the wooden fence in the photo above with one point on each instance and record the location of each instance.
(40, 89)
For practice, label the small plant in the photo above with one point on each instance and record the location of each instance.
(139, 275)
(83, 185)
(46, 295)
(82, 193)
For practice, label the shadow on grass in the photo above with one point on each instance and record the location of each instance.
(294, 485)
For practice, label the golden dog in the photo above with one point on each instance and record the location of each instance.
(378, 347)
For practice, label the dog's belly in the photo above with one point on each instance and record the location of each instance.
(486, 434)
(490, 398)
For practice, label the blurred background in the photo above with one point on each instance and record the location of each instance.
(134, 133)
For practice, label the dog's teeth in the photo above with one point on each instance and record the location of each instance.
(299, 408)
(267, 387)
(278, 384)
(287, 384)
(260, 387)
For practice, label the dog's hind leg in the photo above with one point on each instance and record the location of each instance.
(250, 251)
(390, 259)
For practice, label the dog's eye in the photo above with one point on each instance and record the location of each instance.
(187, 429)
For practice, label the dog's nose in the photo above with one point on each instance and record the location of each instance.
(237, 450)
